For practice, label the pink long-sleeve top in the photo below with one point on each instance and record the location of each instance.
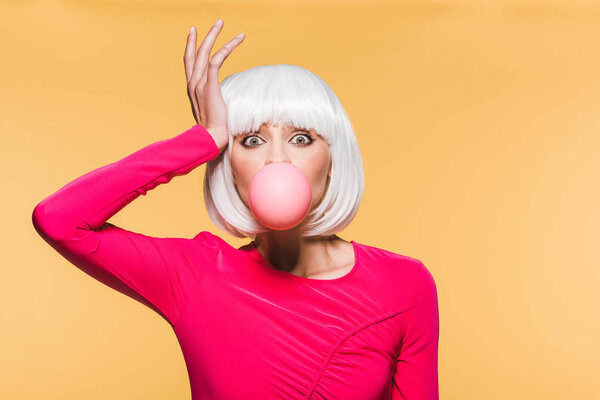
(248, 330)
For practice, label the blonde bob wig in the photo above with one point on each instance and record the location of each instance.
(289, 95)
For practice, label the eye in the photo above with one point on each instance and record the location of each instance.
(310, 139)
(249, 141)
(245, 140)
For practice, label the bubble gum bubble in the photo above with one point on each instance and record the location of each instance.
(280, 195)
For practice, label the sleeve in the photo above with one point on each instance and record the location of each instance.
(416, 376)
(161, 273)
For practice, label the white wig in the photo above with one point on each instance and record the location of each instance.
(288, 95)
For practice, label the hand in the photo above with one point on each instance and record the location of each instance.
(203, 87)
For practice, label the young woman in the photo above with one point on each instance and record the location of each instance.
(295, 314)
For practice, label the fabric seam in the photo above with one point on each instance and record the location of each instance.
(341, 342)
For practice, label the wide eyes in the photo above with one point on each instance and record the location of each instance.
(252, 140)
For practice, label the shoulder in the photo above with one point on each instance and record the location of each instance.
(209, 242)
(390, 264)
(215, 243)
(207, 237)
(404, 279)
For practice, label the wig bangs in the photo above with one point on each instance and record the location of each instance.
(283, 95)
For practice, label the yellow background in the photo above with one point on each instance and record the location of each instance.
(478, 123)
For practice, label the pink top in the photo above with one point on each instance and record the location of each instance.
(248, 330)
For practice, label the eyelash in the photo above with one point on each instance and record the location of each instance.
(311, 139)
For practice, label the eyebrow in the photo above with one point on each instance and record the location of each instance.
(294, 129)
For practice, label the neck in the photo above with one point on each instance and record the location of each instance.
(288, 251)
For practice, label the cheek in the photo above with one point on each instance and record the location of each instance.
(316, 170)
(241, 165)
(243, 170)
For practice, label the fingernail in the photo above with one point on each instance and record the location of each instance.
(240, 35)
(191, 30)
(218, 22)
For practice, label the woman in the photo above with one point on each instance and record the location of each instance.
(295, 314)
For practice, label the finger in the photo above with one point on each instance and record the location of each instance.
(204, 51)
(190, 52)
(193, 104)
(217, 59)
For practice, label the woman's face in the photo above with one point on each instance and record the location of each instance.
(272, 143)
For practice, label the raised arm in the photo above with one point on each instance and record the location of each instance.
(162, 273)
(149, 269)
(416, 377)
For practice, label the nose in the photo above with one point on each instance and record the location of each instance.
(277, 154)
(269, 161)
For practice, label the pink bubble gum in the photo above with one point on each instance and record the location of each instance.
(280, 195)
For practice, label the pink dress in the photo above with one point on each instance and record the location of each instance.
(248, 330)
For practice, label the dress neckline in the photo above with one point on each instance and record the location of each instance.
(288, 275)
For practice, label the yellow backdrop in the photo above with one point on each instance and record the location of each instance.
(478, 126)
